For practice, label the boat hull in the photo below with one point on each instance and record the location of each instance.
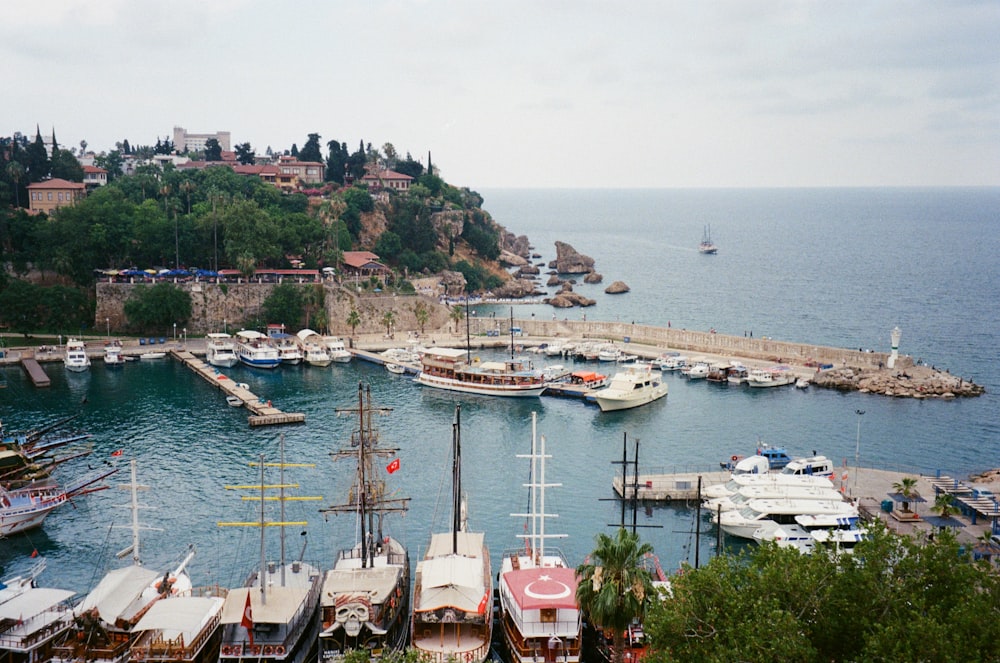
(508, 390)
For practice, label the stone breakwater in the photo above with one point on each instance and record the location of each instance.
(912, 382)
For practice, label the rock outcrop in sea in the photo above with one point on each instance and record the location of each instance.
(617, 288)
(911, 382)
(569, 261)
(566, 298)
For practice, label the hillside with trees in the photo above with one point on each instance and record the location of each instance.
(214, 218)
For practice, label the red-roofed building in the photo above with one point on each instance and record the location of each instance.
(94, 176)
(387, 179)
(51, 194)
(363, 263)
(294, 174)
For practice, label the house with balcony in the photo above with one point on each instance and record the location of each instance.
(52, 194)
(387, 179)
(94, 176)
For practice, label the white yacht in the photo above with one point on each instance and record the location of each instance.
(769, 491)
(635, 386)
(76, 358)
(113, 354)
(338, 353)
(744, 522)
(738, 481)
(220, 350)
(776, 376)
(256, 350)
(313, 348)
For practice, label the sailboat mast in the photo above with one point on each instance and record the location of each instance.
(281, 498)
(512, 333)
(468, 332)
(456, 481)
(136, 559)
(362, 478)
(263, 559)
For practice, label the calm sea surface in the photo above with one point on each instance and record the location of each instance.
(835, 267)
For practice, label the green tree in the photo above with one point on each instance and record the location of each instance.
(251, 235)
(37, 155)
(158, 307)
(615, 589)
(310, 151)
(944, 506)
(353, 320)
(422, 314)
(388, 245)
(245, 154)
(111, 162)
(314, 305)
(388, 319)
(16, 172)
(456, 316)
(21, 307)
(65, 166)
(213, 150)
(285, 305)
(907, 489)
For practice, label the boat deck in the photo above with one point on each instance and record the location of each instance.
(35, 372)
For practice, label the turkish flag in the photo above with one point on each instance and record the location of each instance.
(119, 452)
(393, 466)
(247, 621)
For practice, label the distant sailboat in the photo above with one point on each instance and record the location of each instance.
(707, 246)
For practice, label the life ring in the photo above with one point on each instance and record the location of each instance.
(268, 650)
(279, 650)
(139, 654)
(734, 458)
(254, 649)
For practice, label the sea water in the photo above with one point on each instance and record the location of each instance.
(834, 267)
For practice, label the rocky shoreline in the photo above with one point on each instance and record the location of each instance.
(911, 382)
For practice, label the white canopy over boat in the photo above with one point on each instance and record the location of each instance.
(453, 580)
(181, 616)
(116, 595)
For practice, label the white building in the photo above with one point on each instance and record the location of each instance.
(188, 142)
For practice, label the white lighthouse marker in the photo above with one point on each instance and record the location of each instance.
(894, 335)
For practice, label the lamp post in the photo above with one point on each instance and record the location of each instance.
(175, 332)
(185, 336)
(857, 448)
(107, 321)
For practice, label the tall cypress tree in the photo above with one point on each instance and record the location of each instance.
(38, 158)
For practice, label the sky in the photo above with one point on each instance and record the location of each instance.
(542, 94)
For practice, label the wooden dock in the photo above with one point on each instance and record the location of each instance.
(35, 372)
(682, 486)
(263, 413)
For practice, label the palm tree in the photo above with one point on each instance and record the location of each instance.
(616, 590)
(944, 506)
(907, 489)
(422, 314)
(456, 316)
(353, 320)
(388, 319)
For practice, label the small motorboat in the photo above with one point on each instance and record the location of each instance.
(234, 401)
(398, 369)
(802, 383)
(152, 355)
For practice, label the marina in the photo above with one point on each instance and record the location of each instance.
(161, 413)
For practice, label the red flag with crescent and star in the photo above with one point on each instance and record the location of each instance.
(247, 621)
(393, 466)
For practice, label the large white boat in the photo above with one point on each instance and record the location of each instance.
(75, 357)
(113, 357)
(338, 353)
(33, 618)
(758, 513)
(697, 371)
(810, 531)
(104, 625)
(313, 348)
(220, 350)
(274, 616)
(775, 376)
(25, 508)
(446, 368)
(769, 491)
(738, 481)
(635, 386)
(365, 600)
(453, 594)
(288, 348)
(256, 350)
(539, 615)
